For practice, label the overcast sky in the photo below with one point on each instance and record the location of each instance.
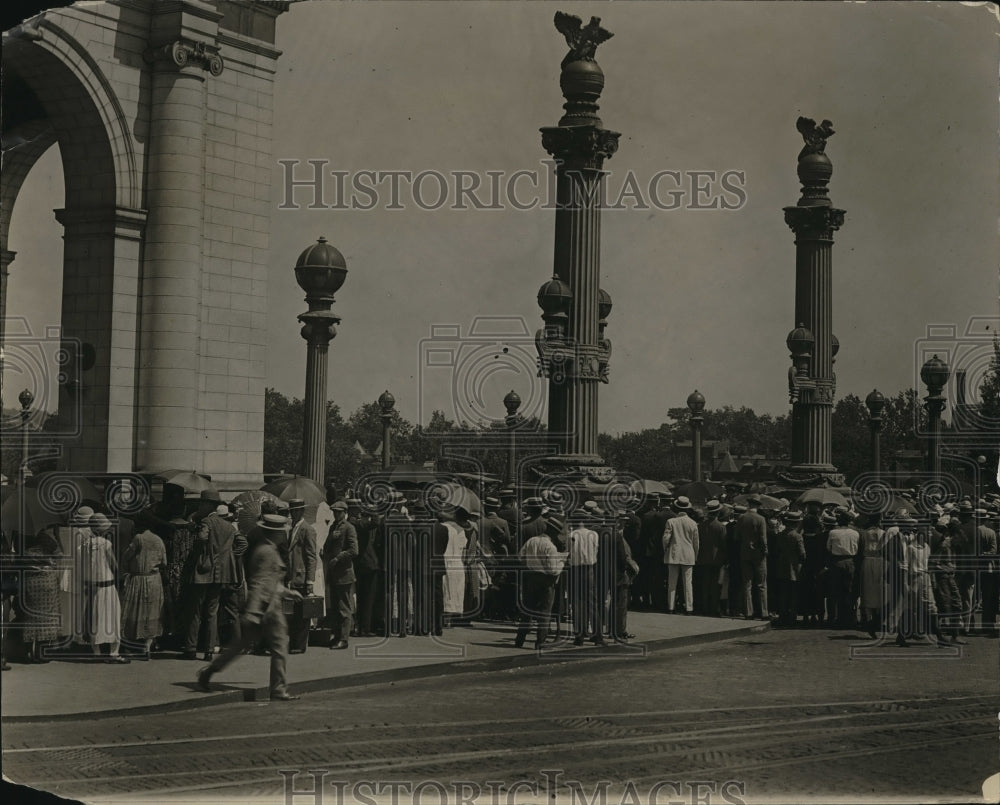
(703, 298)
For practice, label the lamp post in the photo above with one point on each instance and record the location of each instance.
(511, 402)
(981, 487)
(26, 398)
(875, 403)
(696, 404)
(934, 373)
(386, 403)
(319, 271)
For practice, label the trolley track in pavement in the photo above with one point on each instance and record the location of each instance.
(693, 743)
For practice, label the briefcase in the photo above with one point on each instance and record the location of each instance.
(311, 606)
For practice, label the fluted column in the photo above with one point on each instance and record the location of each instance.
(579, 144)
(814, 220)
(318, 330)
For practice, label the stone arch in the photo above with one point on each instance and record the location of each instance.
(83, 108)
(55, 91)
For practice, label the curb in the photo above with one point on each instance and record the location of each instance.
(520, 659)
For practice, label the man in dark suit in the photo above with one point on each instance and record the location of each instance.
(652, 572)
(532, 524)
(751, 531)
(366, 566)
(213, 567)
(711, 557)
(301, 572)
(789, 554)
(497, 548)
(339, 551)
(508, 508)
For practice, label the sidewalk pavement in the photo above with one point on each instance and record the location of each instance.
(68, 688)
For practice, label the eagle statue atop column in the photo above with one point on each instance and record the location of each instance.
(582, 39)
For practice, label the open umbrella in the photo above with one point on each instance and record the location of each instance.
(766, 502)
(411, 475)
(62, 492)
(297, 486)
(190, 481)
(824, 496)
(892, 504)
(247, 507)
(646, 487)
(449, 493)
(699, 491)
(25, 512)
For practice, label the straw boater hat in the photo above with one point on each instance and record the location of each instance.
(81, 517)
(223, 511)
(296, 503)
(491, 503)
(682, 504)
(99, 523)
(273, 522)
(713, 507)
(554, 523)
(793, 516)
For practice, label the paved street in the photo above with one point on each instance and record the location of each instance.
(775, 715)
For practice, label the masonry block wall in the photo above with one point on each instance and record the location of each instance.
(162, 110)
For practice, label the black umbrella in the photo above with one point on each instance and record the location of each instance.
(699, 491)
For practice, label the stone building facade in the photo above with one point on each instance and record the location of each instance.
(162, 110)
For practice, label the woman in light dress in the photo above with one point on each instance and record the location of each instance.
(145, 561)
(871, 552)
(102, 613)
(454, 566)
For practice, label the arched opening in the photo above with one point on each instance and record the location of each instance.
(48, 97)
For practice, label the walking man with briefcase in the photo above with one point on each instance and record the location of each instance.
(263, 618)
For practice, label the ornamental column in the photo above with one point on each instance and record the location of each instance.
(935, 374)
(319, 271)
(814, 220)
(573, 354)
(184, 54)
(875, 402)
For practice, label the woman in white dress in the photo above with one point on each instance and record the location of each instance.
(454, 567)
(101, 605)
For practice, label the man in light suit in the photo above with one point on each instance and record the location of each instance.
(301, 572)
(680, 550)
(263, 617)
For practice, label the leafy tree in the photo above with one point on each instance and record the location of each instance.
(989, 392)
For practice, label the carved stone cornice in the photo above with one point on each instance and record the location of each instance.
(122, 222)
(817, 223)
(184, 52)
(580, 147)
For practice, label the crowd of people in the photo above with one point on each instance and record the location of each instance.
(891, 574)
(182, 576)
